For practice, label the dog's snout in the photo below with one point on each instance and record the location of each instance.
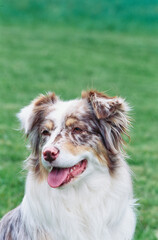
(50, 153)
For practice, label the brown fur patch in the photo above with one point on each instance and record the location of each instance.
(70, 121)
(75, 150)
(40, 172)
(49, 124)
(100, 153)
(58, 137)
(45, 99)
(90, 94)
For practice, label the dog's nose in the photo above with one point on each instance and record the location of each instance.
(50, 153)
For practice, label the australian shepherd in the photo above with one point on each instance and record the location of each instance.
(78, 185)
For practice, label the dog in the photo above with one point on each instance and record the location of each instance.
(78, 185)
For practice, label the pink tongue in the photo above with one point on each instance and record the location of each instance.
(57, 176)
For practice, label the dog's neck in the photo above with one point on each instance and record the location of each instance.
(84, 205)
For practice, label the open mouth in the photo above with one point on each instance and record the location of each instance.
(59, 176)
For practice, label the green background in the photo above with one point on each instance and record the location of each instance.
(68, 46)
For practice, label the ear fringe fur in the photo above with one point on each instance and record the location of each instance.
(113, 117)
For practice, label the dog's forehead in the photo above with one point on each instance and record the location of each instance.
(61, 110)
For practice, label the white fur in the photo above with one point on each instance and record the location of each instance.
(98, 208)
(24, 116)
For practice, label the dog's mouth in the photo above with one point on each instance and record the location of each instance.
(60, 176)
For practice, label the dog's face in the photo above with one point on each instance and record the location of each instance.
(72, 139)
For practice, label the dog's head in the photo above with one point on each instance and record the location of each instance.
(71, 139)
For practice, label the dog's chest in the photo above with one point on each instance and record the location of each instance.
(79, 223)
(67, 216)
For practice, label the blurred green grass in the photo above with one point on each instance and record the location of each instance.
(90, 14)
(68, 52)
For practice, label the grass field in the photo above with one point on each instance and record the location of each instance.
(36, 57)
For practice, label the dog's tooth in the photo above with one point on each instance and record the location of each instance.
(50, 169)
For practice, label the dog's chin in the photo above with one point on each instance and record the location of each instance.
(59, 177)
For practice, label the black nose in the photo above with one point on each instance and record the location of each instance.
(51, 153)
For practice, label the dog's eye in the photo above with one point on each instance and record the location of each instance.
(45, 132)
(77, 130)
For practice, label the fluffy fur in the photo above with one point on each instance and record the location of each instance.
(97, 204)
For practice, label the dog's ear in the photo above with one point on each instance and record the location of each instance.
(32, 114)
(24, 117)
(112, 118)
